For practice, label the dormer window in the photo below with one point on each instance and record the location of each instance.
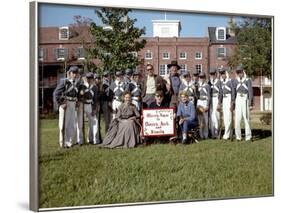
(63, 33)
(221, 33)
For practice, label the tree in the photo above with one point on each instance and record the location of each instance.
(253, 46)
(116, 41)
(80, 31)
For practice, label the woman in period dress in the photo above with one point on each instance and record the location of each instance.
(125, 128)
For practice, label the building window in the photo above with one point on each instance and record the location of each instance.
(42, 54)
(198, 55)
(163, 69)
(166, 55)
(63, 33)
(198, 67)
(183, 55)
(221, 52)
(183, 68)
(134, 54)
(61, 54)
(221, 33)
(81, 53)
(148, 54)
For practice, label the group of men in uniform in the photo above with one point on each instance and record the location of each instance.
(80, 96)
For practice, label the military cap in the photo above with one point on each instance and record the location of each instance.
(239, 68)
(202, 75)
(73, 69)
(129, 71)
(118, 73)
(213, 71)
(195, 72)
(105, 73)
(136, 73)
(89, 75)
(221, 70)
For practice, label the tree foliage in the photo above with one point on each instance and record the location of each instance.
(253, 49)
(116, 40)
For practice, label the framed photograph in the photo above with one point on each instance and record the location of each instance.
(133, 106)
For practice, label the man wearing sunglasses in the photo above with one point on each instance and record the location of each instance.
(151, 84)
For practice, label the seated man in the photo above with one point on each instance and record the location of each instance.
(156, 104)
(186, 114)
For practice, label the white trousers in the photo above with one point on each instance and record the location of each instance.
(79, 120)
(70, 123)
(115, 106)
(242, 111)
(61, 125)
(215, 117)
(203, 119)
(227, 115)
(93, 128)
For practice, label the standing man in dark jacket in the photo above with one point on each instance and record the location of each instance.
(175, 83)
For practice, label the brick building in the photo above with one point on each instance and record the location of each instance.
(59, 48)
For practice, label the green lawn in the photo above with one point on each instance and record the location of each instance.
(88, 175)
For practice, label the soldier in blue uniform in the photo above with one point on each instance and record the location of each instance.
(195, 81)
(243, 102)
(90, 104)
(228, 99)
(216, 101)
(117, 88)
(128, 76)
(135, 88)
(186, 114)
(65, 95)
(188, 86)
(106, 99)
(203, 105)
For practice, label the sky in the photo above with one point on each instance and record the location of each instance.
(192, 24)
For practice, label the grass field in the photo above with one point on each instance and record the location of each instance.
(88, 175)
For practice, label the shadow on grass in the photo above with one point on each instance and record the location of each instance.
(258, 134)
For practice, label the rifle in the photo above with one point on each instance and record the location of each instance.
(232, 124)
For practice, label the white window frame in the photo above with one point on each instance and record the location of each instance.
(197, 58)
(217, 33)
(166, 70)
(42, 53)
(224, 52)
(164, 57)
(134, 53)
(185, 55)
(182, 70)
(199, 70)
(65, 54)
(145, 56)
(78, 57)
(67, 34)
